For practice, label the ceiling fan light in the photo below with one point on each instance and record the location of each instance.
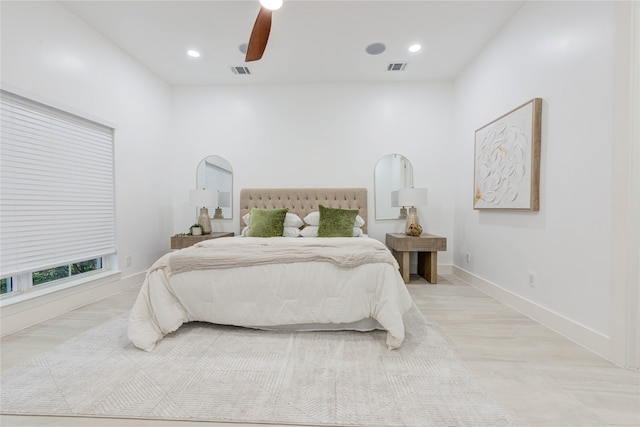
(271, 4)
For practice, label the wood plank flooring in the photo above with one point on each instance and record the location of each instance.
(541, 378)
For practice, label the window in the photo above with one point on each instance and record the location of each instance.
(57, 216)
(6, 286)
(64, 271)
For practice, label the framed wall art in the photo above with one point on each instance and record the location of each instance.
(507, 160)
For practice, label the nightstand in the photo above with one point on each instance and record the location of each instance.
(181, 242)
(427, 246)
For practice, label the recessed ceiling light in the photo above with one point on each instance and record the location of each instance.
(271, 4)
(193, 53)
(375, 48)
(414, 47)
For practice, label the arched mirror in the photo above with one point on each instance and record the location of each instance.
(215, 173)
(393, 172)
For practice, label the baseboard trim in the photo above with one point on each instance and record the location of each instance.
(20, 315)
(580, 334)
(442, 268)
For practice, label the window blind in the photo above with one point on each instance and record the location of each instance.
(57, 187)
(217, 177)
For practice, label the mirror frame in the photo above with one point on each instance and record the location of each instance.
(224, 171)
(400, 175)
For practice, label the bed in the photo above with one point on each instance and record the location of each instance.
(293, 283)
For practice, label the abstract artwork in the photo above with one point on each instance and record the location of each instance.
(507, 160)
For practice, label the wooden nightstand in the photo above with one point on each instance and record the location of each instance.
(180, 242)
(427, 246)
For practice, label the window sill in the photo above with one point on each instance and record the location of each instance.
(94, 279)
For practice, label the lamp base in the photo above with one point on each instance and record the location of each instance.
(204, 221)
(413, 227)
(218, 214)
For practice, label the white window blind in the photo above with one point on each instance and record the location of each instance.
(217, 177)
(56, 188)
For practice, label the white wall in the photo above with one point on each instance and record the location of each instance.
(49, 54)
(317, 136)
(561, 52)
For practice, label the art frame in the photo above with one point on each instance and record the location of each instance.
(507, 160)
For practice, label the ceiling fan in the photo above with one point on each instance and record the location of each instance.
(261, 30)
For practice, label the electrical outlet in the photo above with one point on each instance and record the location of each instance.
(532, 279)
(467, 257)
(127, 261)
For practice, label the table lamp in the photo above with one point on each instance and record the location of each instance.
(224, 201)
(202, 199)
(411, 197)
(395, 195)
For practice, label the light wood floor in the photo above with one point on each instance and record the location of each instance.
(541, 378)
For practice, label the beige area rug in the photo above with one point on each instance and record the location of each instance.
(219, 373)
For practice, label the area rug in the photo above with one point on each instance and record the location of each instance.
(221, 373)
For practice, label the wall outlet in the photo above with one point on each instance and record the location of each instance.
(467, 257)
(127, 261)
(532, 279)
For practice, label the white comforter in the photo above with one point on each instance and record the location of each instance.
(356, 279)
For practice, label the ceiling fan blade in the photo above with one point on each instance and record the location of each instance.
(259, 35)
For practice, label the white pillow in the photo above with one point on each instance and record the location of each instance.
(290, 220)
(293, 220)
(309, 231)
(291, 232)
(288, 232)
(313, 218)
(312, 231)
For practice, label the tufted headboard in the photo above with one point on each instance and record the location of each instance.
(301, 201)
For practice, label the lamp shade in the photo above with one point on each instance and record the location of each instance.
(203, 197)
(409, 197)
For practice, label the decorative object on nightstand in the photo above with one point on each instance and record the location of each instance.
(411, 197)
(414, 230)
(202, 199)
(224, 201)
(195, 230)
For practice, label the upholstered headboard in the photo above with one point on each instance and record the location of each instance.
(301, 201)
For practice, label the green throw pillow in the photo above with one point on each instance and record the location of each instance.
(267, 222)
(336, 222)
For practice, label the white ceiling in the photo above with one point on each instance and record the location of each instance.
(311, 41)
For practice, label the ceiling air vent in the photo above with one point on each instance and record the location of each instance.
(241, 70)
(398, 66)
